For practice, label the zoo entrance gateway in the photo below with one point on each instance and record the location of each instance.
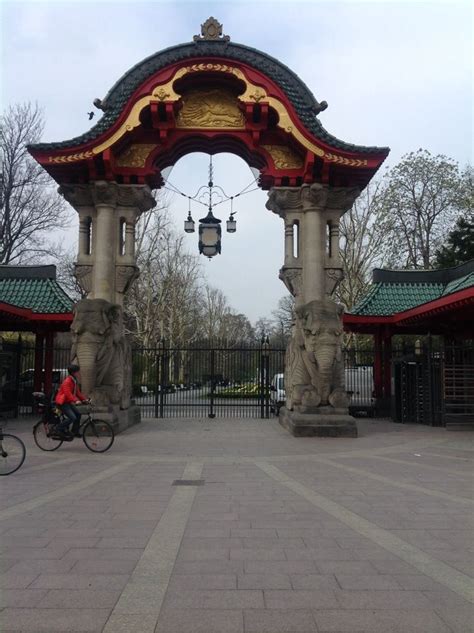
(212, 95)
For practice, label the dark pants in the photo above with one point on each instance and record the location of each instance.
(73, 415)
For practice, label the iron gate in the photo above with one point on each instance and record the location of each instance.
(205, 381)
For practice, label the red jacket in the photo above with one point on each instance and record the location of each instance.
(69, 392)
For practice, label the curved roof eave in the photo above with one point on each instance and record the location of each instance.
(302, 99)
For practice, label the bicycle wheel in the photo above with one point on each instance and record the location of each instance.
(12, 453)
(41, 435)
(98, 436)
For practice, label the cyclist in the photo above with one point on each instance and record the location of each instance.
(67, 397)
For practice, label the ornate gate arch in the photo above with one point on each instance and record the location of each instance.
(212, 95)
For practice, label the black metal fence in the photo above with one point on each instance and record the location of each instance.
(205, 381)
(429, 385)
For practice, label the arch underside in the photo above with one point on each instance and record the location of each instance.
(208, 105)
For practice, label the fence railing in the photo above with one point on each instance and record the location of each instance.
(429, 386)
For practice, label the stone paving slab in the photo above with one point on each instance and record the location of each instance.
(366, 535)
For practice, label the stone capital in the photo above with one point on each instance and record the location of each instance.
(283, 200)
(342, 198)
(111, 194)
(76, 195)
(138, 196)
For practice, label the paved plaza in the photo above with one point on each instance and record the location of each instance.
(272, 534)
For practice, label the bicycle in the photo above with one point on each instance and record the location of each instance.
(12, 453)
(97, 435)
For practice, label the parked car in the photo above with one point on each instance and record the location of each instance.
(360, 386)
(277, 393)
(22, 393)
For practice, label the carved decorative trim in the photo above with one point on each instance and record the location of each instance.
(210, 109)
(211, 30)
(83, 275)
(342, 198)
(77, 195)
(293, 279)
(125, 276)
(284, 157)
(282, 200)
(136, 155)
(334, 276)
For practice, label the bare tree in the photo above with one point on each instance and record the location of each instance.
(422, 199)
(164, 301)
(363, 244)
(30, 206)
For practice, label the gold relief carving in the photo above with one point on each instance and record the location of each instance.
(136, 155)
(284, 157)
(161, 94)
(210, 109)
(258, 95)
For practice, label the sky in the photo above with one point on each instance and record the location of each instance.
(396, 74)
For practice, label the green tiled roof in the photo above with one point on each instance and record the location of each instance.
(384, 299)
(459, 284)
(304, 102)
(396, 291)
(44, 296)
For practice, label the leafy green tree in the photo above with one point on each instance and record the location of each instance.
(422, 199)
(459, 247)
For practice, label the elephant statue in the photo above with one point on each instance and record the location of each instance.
(102, 352)
(298, 385)
(317, 339)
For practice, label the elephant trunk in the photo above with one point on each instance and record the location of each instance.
(325, 356)
(86, 353)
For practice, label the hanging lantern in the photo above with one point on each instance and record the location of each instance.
(189, 224)
(231, 224)
(209, 235)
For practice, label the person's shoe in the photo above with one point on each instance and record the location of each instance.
(65, 436)
(77, 434)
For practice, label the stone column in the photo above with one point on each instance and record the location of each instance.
(340, 200)
(105, 274)
(314, 199)
(317, 403)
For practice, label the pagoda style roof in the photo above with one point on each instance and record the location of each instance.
(32, 300)
(300, 96)
(415, 301)
(395, 291)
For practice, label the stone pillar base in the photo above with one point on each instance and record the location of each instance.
(325, 423)
(120, 419)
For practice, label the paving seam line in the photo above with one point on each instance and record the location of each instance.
(139, 605)
(418, 464)
(69, 489)
(26, 470)
(397, 484)
(437, 570)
